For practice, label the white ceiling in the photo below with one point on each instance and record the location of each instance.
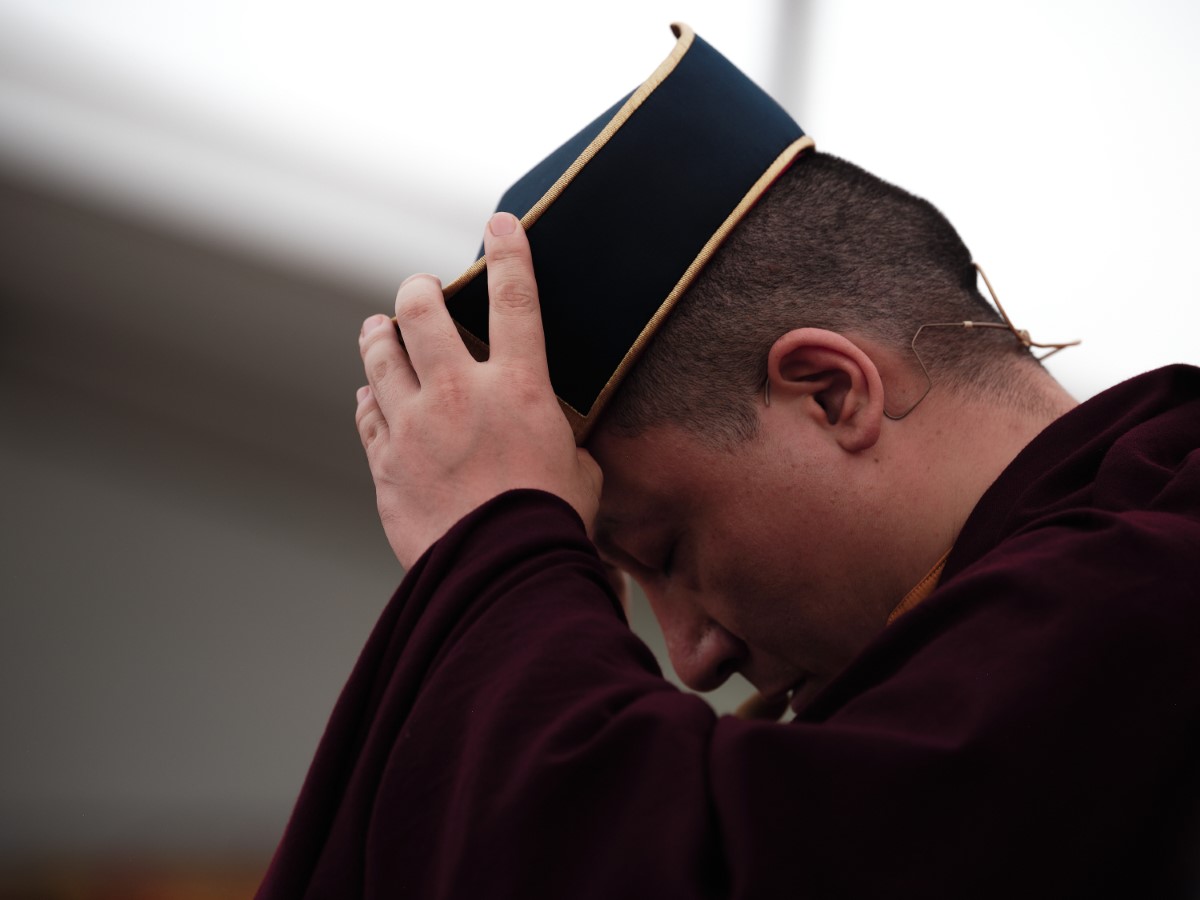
(363, 140)
(345, 137)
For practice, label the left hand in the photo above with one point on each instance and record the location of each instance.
(444, 433)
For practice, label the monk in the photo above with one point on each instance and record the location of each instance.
(979, 599)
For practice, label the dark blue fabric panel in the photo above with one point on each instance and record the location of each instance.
(532, 186)
(519, 198)
(611, 248)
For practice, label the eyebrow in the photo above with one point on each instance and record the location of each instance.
(604, 537)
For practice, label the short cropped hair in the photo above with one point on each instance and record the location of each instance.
(828, 246)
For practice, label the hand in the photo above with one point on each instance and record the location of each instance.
(444, 433)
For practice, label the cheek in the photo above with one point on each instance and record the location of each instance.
(772, 594)
(759, 588)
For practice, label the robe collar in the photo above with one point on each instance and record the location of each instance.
(755, 707)
(923, 589)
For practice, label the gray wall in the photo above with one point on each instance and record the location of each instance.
(191, 557)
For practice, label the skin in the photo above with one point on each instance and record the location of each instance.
(443, 433)
(780, 558)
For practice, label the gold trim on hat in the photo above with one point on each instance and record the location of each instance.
(685, 37)
(581, 424)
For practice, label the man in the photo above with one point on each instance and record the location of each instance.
(834, 470)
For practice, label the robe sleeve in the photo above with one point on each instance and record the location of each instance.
(504, 734)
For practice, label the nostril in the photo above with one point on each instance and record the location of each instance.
(725, 668)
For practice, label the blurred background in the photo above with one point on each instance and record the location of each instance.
(200, 202)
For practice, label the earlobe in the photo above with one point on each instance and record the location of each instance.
(830, 379)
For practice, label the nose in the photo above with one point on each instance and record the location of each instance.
(702, 652)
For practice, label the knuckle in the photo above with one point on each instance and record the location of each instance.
(503, 252)
(376, 338)
(418, 298)
(378, 368)
(416, 308)
(370, 436)
(363, 414)
(515, 296)
(369, 430)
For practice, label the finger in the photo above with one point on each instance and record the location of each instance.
(369, 419)
(514, 314)
(429, 333)
(385, 362)
(758, 708)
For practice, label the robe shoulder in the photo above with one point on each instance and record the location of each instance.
(1031, 730)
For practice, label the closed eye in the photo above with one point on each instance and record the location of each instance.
(618, 558)
(643, 561)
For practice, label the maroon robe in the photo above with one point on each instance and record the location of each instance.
(1031, 730)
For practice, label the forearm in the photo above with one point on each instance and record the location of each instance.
(503, 714)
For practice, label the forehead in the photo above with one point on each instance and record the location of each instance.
(634, 462)
(661, 473)
(637, 482)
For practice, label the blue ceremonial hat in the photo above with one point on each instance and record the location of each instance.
(652, 187)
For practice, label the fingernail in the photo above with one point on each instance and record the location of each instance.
(362, 393)
(433, 278)
(372, 323)
(502, 223)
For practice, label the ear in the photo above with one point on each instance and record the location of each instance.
(831, 380)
